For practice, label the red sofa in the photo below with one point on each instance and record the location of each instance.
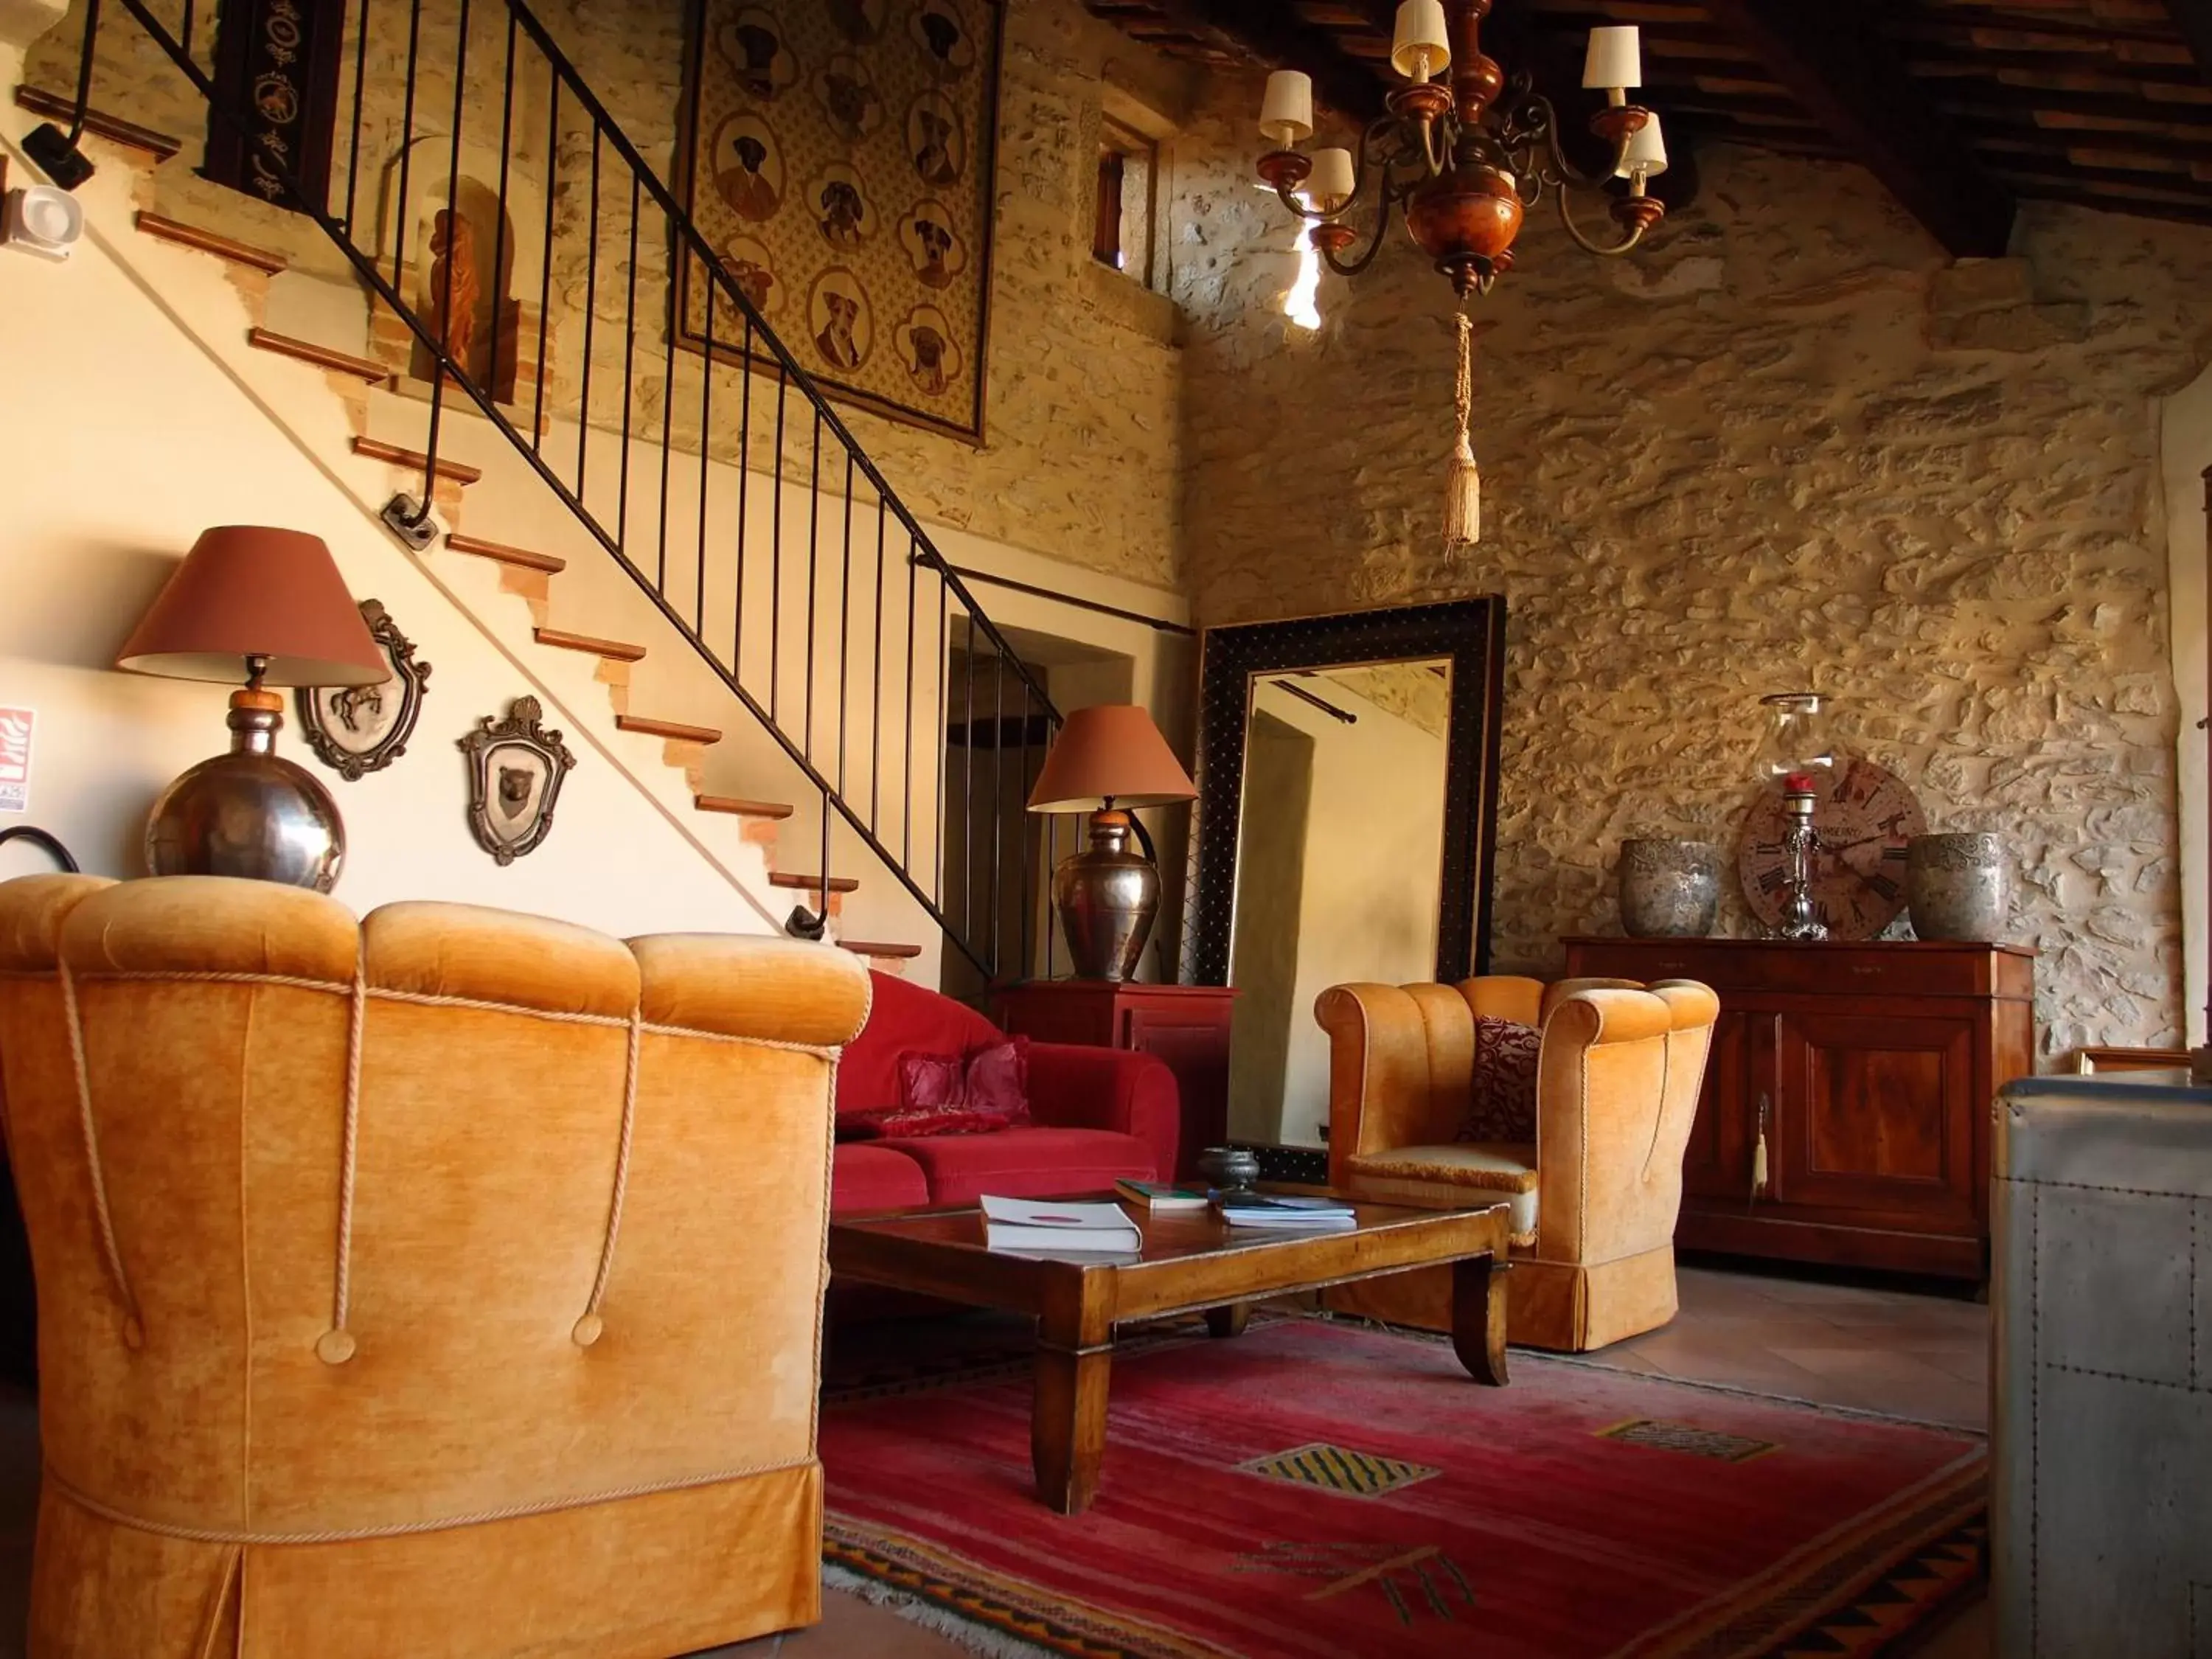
(1099, 1114)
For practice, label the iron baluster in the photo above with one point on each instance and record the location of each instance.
(441, 356)
(630, 371)
(745, 482)
(498, 229)
(876, 704)
(676, 252)
(775, 557)
(591, 317)
(813, 551)
(706, 435)
(545, 271)
(360, 82)
(845, 625)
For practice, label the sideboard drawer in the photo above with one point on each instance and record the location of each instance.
(1893, 969)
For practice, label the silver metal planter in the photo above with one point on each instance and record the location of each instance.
(1960, 886)
(1668, 889)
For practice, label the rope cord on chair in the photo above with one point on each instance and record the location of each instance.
(590, 1326)
(134, 1329)
(440, 1000)
(335, 1345)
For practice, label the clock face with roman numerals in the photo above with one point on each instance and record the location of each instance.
(1863, 818)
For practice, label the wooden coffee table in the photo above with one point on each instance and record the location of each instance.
(1191, 1262)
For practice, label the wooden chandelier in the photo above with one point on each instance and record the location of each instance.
(1462, 161)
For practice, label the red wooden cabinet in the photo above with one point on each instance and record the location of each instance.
(1868, 1069)
(1185, 1026)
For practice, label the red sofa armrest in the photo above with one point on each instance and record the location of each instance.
(1074, 1086)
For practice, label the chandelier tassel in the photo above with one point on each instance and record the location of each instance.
(1463, 479)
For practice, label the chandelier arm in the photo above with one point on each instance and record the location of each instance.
(1352, 268)
(1554, 165)
(1567, 219)
(1368, 134)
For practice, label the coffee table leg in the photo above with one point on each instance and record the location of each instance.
(1479, 1318)
(1067, 1425)
(1229, 1321)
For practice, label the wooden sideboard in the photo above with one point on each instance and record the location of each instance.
(1869, 1067)
(1185, 1025)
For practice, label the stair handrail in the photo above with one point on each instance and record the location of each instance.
(788, 372)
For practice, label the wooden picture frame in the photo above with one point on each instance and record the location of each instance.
(356, 730)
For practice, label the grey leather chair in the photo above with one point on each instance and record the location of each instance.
(2101, 1501)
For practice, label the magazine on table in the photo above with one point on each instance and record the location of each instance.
(1057, 1226)
(1284, 1212)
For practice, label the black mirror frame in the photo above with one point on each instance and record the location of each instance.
(1471, 634)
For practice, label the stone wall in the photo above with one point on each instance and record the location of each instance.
(1787, 444)
(1083, 415)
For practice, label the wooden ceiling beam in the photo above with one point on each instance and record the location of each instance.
(2193, 19)
(1849, 81)
(1272, 33)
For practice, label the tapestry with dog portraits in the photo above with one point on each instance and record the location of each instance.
(838, 159)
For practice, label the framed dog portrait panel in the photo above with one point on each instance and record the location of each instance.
(836, 156)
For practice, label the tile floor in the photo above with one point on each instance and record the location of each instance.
(1836, 1341)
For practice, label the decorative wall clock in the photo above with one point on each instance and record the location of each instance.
(358, 729)
(1863, 815)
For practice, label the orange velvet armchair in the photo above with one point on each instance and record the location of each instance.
(1594, 1199)
(445, 1283)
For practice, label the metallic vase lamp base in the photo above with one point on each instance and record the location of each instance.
(1108, 897)
(250, 812)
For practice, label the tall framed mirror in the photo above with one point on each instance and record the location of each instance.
(1347, 808)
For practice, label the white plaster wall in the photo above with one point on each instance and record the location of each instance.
(124, 439)
(2185, 452)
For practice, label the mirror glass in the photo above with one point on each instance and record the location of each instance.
(1339, 855)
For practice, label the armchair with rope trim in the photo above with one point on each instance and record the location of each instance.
(1593, 1198)
(448, 1282)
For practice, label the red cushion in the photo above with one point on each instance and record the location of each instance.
(997, 1078)
(1025, 1163)
(904, 1019)
(915, 1121)
(872, 1177)
(930, 1080)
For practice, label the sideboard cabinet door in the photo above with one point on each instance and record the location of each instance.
(1875, 1115)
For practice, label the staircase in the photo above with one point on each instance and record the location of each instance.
(751, 593)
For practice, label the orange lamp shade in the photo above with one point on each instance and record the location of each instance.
(248, 591)
(1109, 753)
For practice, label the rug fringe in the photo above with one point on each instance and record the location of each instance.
(916, 1610)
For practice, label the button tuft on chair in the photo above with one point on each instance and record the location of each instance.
(134, 1334)
(589, 1330)
(334, 1347)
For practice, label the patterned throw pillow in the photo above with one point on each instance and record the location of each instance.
(946, 1094)
(1501, 1103)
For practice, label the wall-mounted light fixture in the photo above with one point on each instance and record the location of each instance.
(39, 218)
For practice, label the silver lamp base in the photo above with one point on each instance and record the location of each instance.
(1109, 897)
(250, 812)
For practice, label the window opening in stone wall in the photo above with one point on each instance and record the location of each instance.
(1128, 173)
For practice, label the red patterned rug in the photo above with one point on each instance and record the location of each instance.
(1322, 1491)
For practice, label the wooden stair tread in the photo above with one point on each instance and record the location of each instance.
(737, 804)
(322, 356)
(675, 729)
(812, 884)
(861, 947)
(521, 557)
(60, 106)
(615, 650)
(377, 450)
(207, 241)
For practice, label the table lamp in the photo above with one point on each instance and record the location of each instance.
(268, 607)
(1109, 758)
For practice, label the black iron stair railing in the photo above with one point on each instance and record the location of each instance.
(970, 858)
